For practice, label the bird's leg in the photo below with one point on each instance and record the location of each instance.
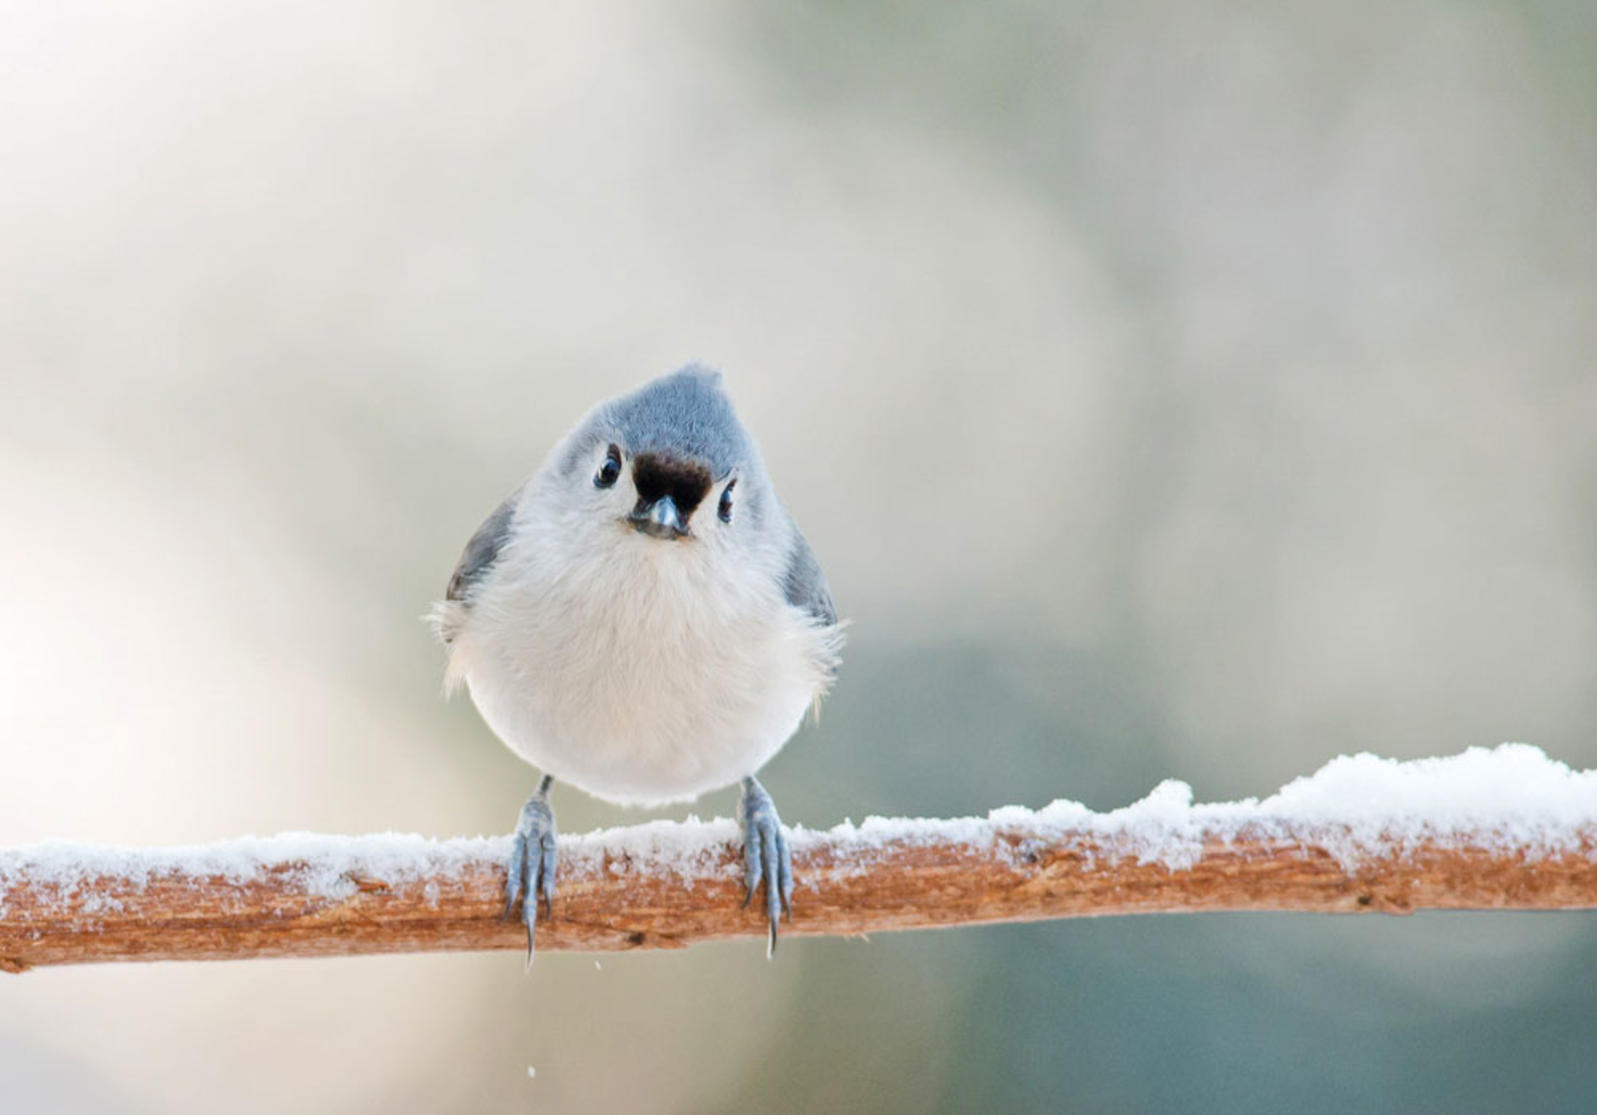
(532, 862)
(765, 855)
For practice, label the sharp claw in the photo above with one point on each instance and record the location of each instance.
(529, 906)
(766, 859)
(518, 860)
(769, 838)
(533, 855)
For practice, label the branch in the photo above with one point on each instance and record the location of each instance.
(1502, 829)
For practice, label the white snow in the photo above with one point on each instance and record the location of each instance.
(1508, 798)
(324, 865)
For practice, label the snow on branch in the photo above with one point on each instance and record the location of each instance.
(1505, 828)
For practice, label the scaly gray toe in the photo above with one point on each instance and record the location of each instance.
(531, 875)
(765, 857)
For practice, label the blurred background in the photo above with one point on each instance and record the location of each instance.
(1253, 347)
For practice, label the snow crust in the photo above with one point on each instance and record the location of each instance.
(1504, 799)
(1511, 798)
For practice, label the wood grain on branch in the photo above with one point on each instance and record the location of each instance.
(351, 895)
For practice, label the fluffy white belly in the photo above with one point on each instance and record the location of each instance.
(631, 686)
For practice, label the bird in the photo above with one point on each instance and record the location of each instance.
(644, 620)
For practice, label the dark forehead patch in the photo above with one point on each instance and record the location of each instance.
(658, 474)
(685, 415)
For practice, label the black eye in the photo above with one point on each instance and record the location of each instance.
(725, 510)
(610, 471)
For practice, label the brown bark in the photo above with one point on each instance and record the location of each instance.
(847, 885)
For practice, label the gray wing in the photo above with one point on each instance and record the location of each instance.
(805, 584)
(482, 551)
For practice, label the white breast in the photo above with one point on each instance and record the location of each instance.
(652, 676)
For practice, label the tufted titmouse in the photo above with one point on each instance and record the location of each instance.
(643, 620)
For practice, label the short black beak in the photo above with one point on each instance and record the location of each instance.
(659, 519)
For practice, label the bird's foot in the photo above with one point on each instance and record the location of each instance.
(765, 856)
(532, 863)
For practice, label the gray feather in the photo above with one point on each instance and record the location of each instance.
(687, 412)
(482, 551)
(805, 584)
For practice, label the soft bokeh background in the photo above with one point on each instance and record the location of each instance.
(1177, 390)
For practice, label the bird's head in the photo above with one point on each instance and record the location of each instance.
(668, 464)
